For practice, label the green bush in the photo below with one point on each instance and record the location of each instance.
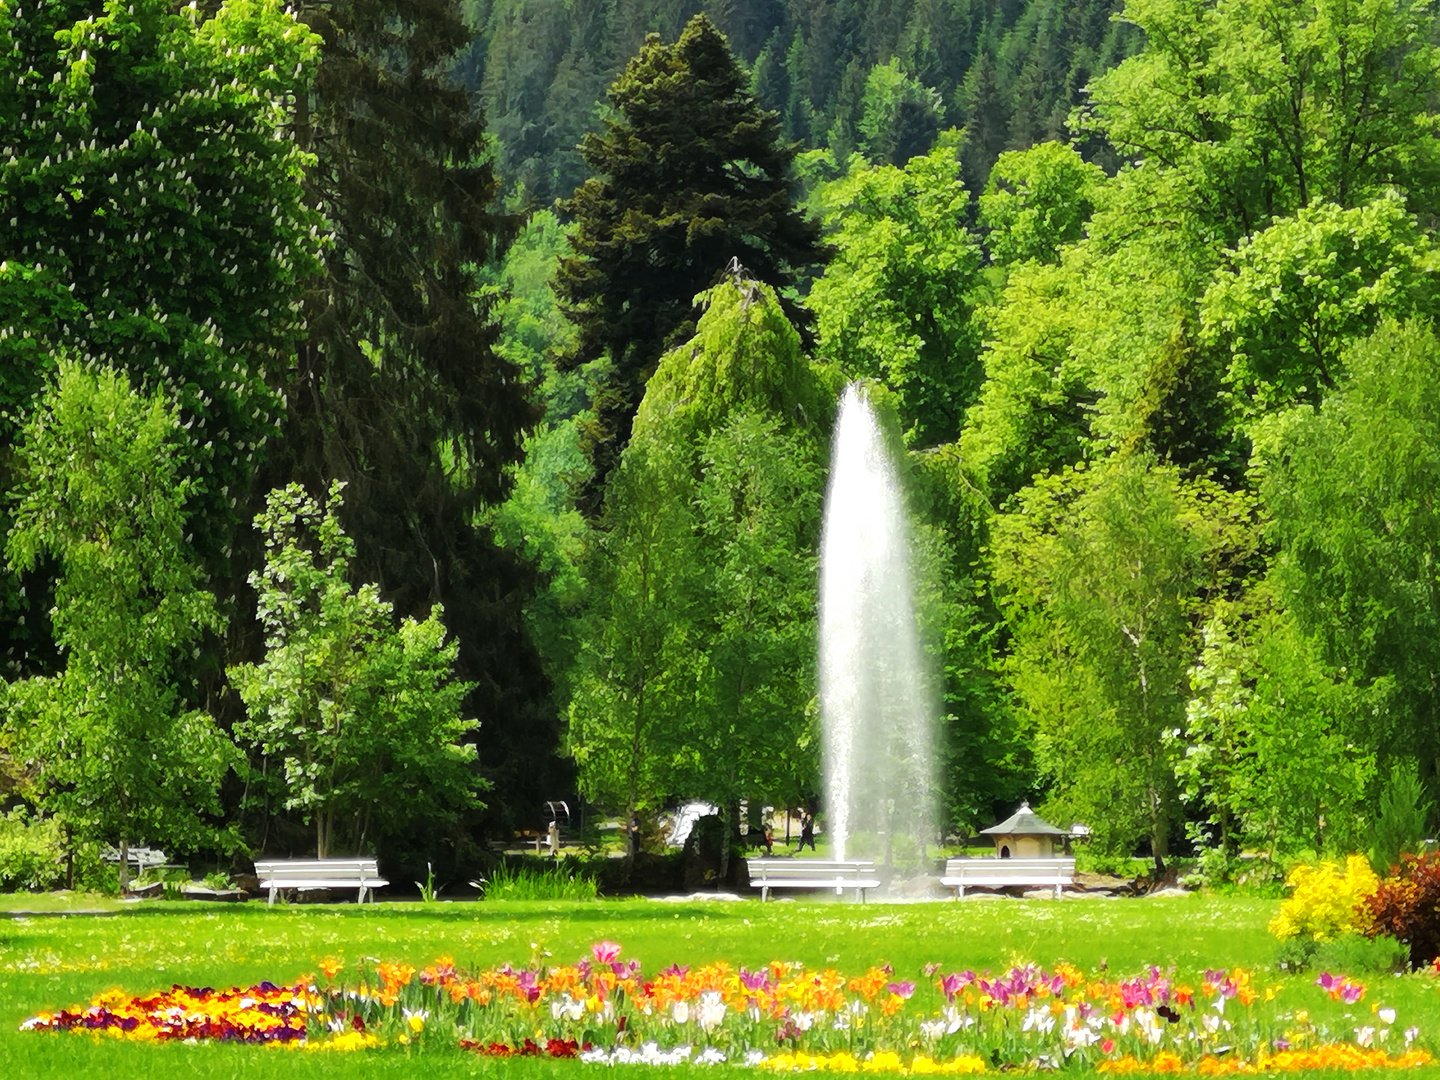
(32, 853)
(1350, 954)
(558, 882)
(1211, 869)
(1090, 861)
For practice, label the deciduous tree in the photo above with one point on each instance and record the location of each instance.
(704, 592)
(895, 303)
(118, 754)
(152, 218)
(1349, 488)
(1101, 575)
(358, 721)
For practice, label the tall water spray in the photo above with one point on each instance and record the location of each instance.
(876, 718)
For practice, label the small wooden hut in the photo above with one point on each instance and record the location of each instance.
(1024, 835)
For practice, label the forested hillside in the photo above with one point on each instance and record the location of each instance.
(873, 75)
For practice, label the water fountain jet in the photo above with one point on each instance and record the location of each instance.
(877, 722)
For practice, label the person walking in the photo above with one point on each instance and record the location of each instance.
(807, 831)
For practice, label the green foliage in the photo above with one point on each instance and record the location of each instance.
(32, 852)
(1305, 288)
(399, 391)
(154, 221)
(894, 304)
(637, 672)
(116, 753)
(745, 356)
(1266, 106)
(1401, 818)
(689, 175)
(1348, 486)
(758, 523)
(533, 329)
(899, 117)
(1273, 753)
(1011, 72)
(358, 719)
(1032, 411)
(1037, 201)
(697, 671)
(1349, 953)
(155, 217)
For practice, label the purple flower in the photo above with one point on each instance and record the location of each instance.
(755, 980)
(901, 989)
(953, 984)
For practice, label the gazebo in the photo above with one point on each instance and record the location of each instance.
(1024, 835)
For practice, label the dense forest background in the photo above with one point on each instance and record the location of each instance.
(412, 412)
(881, 78)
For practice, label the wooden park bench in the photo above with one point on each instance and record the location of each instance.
(1052, 872)
(362, 874)
(792, 873)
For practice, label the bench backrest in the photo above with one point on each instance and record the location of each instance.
(1010, 869)
(317, 869)
(811, 869)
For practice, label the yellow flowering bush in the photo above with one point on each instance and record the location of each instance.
(1323, 902)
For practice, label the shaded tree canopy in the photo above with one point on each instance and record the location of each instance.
(399, 391)
(689, 175)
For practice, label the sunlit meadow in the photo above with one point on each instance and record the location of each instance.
(885, 957)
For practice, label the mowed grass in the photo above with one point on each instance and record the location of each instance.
(48, 962)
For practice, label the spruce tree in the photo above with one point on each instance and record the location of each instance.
(398, 391)
(689, 174)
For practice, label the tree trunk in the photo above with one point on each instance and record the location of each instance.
(124, 866)
(632, 833)
(729, 815)
(322, 834)
(1159, 841)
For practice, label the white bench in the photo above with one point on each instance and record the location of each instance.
(792, 873)
(1056, 872)
(362, 874)
(140, 858)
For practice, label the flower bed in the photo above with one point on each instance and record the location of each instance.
(787, 1017)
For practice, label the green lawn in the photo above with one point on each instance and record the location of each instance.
(48, 962)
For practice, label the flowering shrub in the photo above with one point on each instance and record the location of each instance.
(783, 1016)
(1325, 903)
(1407, 907)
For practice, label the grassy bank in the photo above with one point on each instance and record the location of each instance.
(51, 962)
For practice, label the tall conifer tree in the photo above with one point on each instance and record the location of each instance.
(398, 391)
(690, 174)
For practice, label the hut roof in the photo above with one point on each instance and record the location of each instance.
(1024, 822)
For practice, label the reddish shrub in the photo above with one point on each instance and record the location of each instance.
(1407, 907)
